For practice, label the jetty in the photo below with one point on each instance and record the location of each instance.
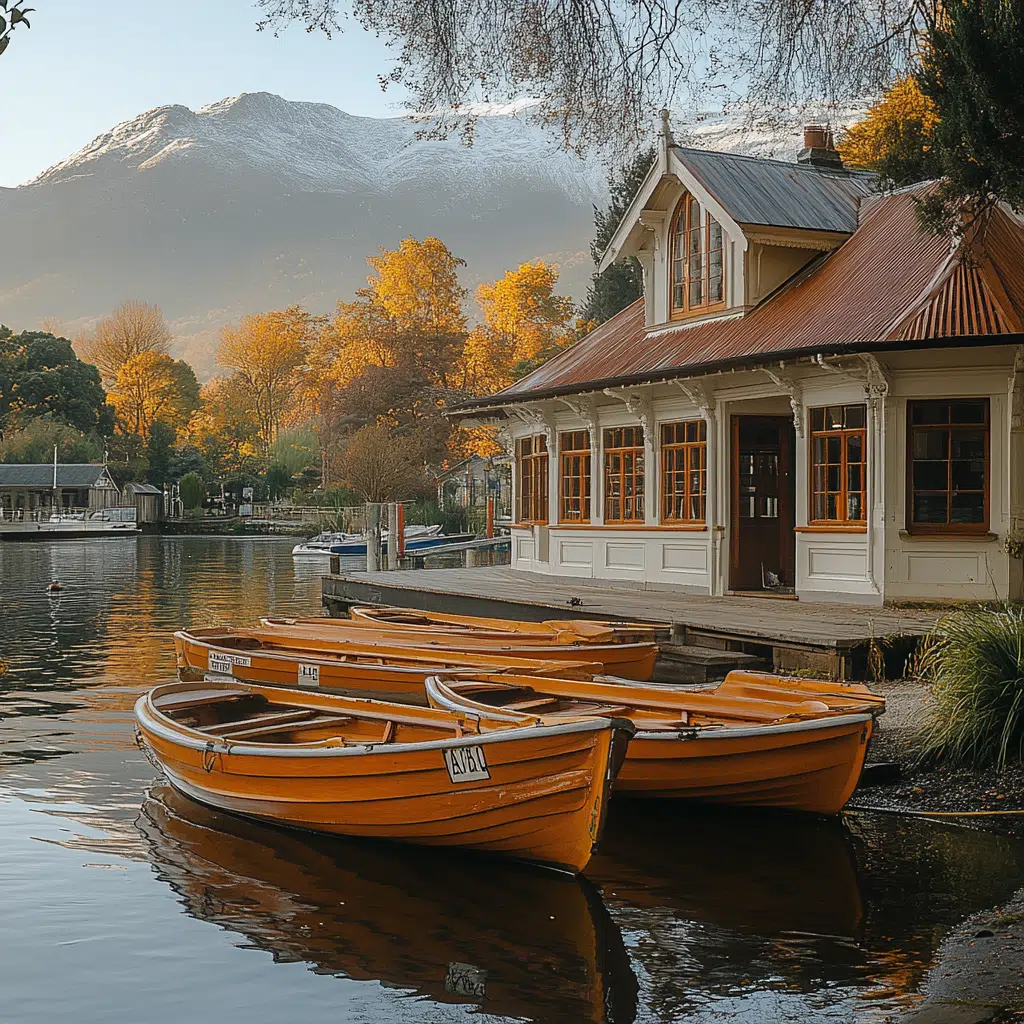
(841, 641)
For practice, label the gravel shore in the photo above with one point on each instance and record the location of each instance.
(937, 788)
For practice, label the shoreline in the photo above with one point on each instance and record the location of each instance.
(978, 974)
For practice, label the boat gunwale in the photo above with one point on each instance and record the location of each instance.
(507, 649)
(150, 718)
(318, 657)
(437, 690)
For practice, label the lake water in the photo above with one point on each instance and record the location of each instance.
(124, 902)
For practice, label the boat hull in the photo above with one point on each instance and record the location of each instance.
(627, 661)
(807, 766)
(308, 668)
(541, 797)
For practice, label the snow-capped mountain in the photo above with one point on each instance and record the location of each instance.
(256, 202)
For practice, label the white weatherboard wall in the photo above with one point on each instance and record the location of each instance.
(866, 565)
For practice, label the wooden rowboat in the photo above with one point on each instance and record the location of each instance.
(631, 661)
(362, 669)
(583, 630)
(786, 748)
(367, 768)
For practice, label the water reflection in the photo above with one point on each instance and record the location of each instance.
(457, 929)
(701, 916)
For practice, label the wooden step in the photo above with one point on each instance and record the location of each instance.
(693, 664)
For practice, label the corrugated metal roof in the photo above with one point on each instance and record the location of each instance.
(134, 488)
(890, 281)
(775, 193)
(33, 474)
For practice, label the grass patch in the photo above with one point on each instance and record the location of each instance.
(974, 660)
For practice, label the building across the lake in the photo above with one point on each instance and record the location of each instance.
(25, 487)
(472, 481)
(814, 396)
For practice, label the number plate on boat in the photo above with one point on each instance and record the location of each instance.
(309, 674)
(466, 764)
(225, 663)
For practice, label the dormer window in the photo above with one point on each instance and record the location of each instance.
(697, 267)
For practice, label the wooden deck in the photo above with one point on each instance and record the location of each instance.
(832, 638)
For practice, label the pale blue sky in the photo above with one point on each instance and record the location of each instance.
(85, 66)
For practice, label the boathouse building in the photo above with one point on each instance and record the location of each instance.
(814, 396)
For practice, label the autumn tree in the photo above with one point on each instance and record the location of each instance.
(224, 430)
(394, 354)
(525, 322)
(896, 137)
(152, 387)
(266, 353)
(380, 466)
(134, 328)
(623, 282)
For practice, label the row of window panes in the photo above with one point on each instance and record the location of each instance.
(696, 244)
(947, 454)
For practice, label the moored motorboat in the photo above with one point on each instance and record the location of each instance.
(629, 660)
(566, 630)
(784, 747)
(373, 669)
(347, 766)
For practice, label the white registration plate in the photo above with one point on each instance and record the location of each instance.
(309, 675)
(466, 764)
(225, 663)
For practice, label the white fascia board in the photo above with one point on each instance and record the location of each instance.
(707, 200)
(623, 241)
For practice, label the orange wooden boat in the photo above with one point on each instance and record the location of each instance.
(593, 631)
(630, 661)
(790, 748)
(367, 768)
(361, 669)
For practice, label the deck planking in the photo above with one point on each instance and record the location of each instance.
(834, 627)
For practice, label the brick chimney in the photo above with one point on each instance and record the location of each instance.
(819, 149)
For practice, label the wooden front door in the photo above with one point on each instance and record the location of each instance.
(763, 553)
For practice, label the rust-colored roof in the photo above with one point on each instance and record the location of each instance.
(890, 282)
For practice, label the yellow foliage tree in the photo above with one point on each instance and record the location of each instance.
(267, 352)
(152, 386)
(224, 428)
(894, 138)
(132, 329)
(524, 323)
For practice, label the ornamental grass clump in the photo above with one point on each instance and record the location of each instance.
(975, 663)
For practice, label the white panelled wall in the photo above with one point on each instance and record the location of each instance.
(877, 560)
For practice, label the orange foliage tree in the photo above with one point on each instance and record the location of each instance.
(895, 137)
(525, 323)
(267, 353)
(152, 386)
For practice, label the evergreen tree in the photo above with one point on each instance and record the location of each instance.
(972, 73)
(623, 282)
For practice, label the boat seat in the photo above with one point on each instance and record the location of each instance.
(271, 718)
(274, 727)
(527, 705)
(198, 698)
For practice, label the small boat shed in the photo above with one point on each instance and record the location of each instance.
(148, 500)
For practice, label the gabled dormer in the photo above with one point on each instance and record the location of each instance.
(716, 233)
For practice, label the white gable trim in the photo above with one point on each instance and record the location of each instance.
(622, 243)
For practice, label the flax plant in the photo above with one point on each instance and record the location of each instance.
(975, 663)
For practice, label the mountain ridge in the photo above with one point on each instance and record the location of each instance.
(255, 202)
